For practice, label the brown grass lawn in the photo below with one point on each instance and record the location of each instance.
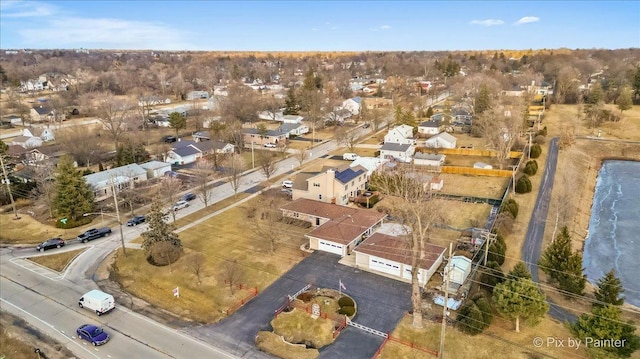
(499, 340)
(59, 261)
(297, 326)
(479, 186)
(221, 239)
(27, 230)
(212, 208)
(274, 344)
(463, 215)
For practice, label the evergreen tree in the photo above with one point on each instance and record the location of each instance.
(572, 278)
(291, 103)
(429, 112)
(177, 121)
(519, 271)
(159, 230)
(609, 290)
(73, 197)
(492, 275)
(605, 324)
(470, 318)
(482, 101)
(563, 266)
(625, 100)
(520, 299)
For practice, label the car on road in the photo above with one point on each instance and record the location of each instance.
(94, 233)
(188, 197)
(169, 139)
(287, 184)
(270, 145)
(50, 243)
(93, 334)
(136, 221)
(180, 205)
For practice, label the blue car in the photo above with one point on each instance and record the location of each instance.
(136, 221)
(93, 334)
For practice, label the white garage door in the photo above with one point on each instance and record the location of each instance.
(384, 265)
(330, 247)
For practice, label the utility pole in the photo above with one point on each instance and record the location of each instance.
(115, 201)
(444, 308)
(253, 158)
(6, 180)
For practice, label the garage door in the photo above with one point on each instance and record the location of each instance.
(384, 265)
(330, 247)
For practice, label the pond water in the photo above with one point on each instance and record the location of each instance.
(614, 227)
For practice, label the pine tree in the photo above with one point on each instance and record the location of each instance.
(605, 323)
(291, 103)
(482, 100)
(177, 121)
(520, 299)
(429, 112)
(563, 266)
(572, 278)
(492, 275)
(609, 290)
(519, 271)
(73, 197)
(159, 230)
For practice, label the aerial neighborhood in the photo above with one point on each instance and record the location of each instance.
(322, 200)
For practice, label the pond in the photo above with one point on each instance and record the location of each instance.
(613, 241)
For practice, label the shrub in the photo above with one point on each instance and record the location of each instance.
(536, 151)
(539, 139)
(496, 253)
(531, 168)
(543, 132)
(523, 185)
(163, 253)
(346, 302)
(504, 223)
(305, 297)
(73, 224)
(485, 308)
(347, 310)
(510, 206)
(470, 318)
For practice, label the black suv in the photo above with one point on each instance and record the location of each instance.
(188, 197)
(50, 243)
(169, 139)
(136, 221)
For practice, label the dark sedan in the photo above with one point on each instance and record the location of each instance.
(188, 197)
(93, 334)
(50, 243)
(136, 221)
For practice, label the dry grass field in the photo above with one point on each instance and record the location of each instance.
(59, 261)
(479, 186)
(27, 230)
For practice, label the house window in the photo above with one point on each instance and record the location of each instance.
(319, 196)
(315, 184)
(345, 187)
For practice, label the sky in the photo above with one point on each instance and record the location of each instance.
(319, 25)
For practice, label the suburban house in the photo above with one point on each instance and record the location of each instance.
(120, 177)
(332, 185)
(462, 114)
(338, 229)
(26, 142)
(353, 105)
(338, 116)
(271, 116)
(369, 163)
(458, 269)
(292, 118)
(402, 134)
(46, 134)
(441, 140)
(196, 95)
(253, 135)
(428, 159)
(146, 101)
(184, 152)
(42, 114)
(156, 169)
(201, 136)
(383, 253)
(293, 129)
(43, 154)
(431, 127)
(398, 152)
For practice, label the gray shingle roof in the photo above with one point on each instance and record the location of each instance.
(395, 147)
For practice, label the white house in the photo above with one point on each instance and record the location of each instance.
(156, 169)
(457, 270)
(46, 134)
(399, 152)
(482, 165)
(353, 105)
(383, 253)
(119, 177)
(427, 159)
(26, 142)
(441, 140)
(431, 127)
(197, 95)
(402, 134)
(271, 116)
(436, 184)
(293, 129)
(292, 118)
(369, 163)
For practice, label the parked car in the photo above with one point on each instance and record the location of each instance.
(287, 184)
(188, 197)
(169, 139)
(270, 145)
(50, 243)
(93, 334)
(136, 221)
(94, 233)
(350, 156)
(180, 205)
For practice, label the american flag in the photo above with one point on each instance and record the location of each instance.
(176, 292)
(342, 285)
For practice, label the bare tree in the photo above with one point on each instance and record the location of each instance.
(169, 188)
(204, 171)
(242, 103)
(231, 273)
(501, 126)
(347, 138)
(114, 114)
(283, 147)
(565, 183)
(196, 265)
(82, 143)
(45, 184)
(268, 223)
(129, 196)
(267, 163)
(417, 212)
(301, 155)
(234, 167)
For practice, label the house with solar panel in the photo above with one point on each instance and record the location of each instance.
(331, 185)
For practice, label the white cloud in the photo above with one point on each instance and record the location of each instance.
(73, 32)
(527, 19)
(385, 27)
(487, 22)
(22, 9)
(380, 28)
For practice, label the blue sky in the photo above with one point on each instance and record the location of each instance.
(319, 25)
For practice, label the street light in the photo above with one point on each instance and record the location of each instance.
(116, 216)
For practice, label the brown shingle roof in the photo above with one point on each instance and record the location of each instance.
(347, 227)
(396, 249)
(318, 209)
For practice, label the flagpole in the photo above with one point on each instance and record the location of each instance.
(340, 287)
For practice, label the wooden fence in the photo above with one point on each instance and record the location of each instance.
(459, 170)
(467, 152)
(405, 343)
(253, 293)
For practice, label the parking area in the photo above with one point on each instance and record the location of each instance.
(381, 303)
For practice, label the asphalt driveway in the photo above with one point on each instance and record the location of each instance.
(381, 304)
